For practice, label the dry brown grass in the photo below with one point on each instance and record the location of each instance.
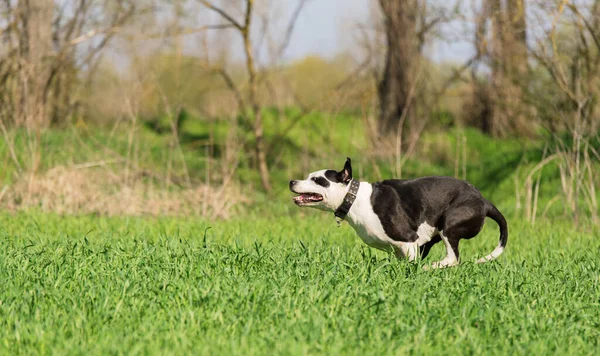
(70, 190)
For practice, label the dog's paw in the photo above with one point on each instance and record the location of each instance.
(440, 264)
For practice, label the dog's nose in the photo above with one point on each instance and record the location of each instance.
(292, 184)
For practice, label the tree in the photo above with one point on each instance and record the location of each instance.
(500, 101)
(244, 29)
(46, 46)
(517, 40)
(251, 110)
(398, 78)
(35, 47)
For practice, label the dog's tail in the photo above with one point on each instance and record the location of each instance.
(495, 215)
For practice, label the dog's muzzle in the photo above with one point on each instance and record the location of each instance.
(304, 198)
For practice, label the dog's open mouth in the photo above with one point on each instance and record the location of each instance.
(307, 198)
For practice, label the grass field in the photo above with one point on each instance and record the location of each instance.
(278, 279)
(294, 285)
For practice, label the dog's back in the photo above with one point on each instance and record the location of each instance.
(424, 198)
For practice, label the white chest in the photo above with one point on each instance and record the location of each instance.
(366, 223)
(371, 235)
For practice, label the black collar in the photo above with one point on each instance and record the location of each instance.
(341, 212)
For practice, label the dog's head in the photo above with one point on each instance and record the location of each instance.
(323, 189)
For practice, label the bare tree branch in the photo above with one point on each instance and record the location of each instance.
(290, 28)
(179, 32)
(455, 75)
(362, 66)
(587, 24)
(257, 126)
(223, 14)
(91, 33)
(231, 85)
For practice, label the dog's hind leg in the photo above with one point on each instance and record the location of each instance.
(463, 223)
(452, 255)
(424, 249)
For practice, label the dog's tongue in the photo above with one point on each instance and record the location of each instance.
(307, 197)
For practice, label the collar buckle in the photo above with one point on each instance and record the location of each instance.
(338, 221)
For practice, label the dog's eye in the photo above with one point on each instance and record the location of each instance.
(321, 181)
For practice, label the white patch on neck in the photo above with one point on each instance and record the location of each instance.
(366, 223)
(369, 228)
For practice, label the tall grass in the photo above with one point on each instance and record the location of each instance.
(207, 171)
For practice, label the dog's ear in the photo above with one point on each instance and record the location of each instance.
(346, 173)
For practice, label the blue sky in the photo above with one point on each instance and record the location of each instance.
(325, 28)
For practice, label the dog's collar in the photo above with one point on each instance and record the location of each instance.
(341, 212)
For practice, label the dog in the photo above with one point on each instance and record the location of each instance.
(404, 216)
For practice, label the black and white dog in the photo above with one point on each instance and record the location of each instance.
(407, 217)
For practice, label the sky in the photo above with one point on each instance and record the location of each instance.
(325, 27)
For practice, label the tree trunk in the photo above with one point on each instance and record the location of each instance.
(35, 49)
(506, 111)
(517, 40)
(259, 148)
(400, 21)
(497, 114)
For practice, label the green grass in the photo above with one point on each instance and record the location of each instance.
(289, 284)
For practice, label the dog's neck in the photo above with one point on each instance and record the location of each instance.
(342, 211)
(362, 202)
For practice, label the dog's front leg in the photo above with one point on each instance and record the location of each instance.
(408, 250)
